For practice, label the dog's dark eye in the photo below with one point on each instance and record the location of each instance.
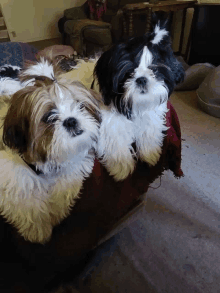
(82, 106)
(50, 117)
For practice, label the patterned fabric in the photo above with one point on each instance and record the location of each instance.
(15, 53)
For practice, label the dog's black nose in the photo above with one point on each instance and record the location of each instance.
(141, 81)
(72, 126)
(70, 123)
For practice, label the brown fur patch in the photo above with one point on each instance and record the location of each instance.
(23, 129)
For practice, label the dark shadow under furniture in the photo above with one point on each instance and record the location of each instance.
(205, 46)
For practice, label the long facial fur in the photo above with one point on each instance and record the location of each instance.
(34, 133)
(137, 78)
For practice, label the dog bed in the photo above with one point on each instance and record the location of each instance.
(209, 93)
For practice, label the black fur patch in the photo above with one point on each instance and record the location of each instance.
(9, 71)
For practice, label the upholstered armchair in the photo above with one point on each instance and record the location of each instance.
(81, 30)
(84, 34)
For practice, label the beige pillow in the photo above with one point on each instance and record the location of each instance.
(209, 93)
(194, 76)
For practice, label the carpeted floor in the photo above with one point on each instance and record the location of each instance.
(172, 244)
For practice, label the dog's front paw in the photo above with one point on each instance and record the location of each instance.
(120, 170)
(150, 156)
(115, 148)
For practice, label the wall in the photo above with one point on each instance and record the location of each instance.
(34, 20)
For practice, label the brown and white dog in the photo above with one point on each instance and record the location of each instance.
(50, 137)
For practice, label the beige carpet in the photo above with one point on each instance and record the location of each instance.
(172, 244)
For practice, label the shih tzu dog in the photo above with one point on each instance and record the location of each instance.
(136, 78)
(50, 134)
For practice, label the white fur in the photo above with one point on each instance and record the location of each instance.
(159, 35)
(146, 59)
(114, 145)
(33, 203)
(149, 125)
(9, 86)
(41, 68)
(117, 134)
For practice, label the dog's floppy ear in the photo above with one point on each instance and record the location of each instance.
(15, 138)
(97, 101)
(16, 126)
(103, 72)
(178, 71)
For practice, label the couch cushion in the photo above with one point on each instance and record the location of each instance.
(209, 93)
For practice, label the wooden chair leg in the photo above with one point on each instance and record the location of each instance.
(131, 24)
(182, 31)
(124, 26)
(148, 21)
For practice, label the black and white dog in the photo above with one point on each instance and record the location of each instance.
(136, 78)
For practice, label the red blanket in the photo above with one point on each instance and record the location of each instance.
(32, 267)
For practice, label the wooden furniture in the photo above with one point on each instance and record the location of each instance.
(148, 8)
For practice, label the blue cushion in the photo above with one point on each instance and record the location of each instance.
(15, 53)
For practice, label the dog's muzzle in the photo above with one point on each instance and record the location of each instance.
(72, 126)
(142, 83)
